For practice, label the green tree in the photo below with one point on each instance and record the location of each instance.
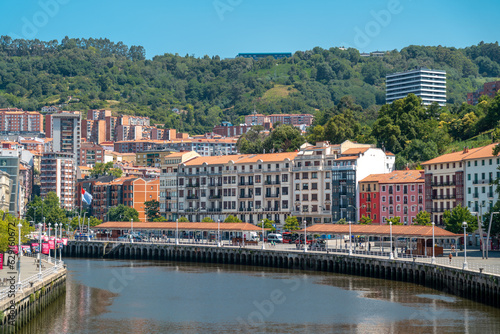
(207, 220)
(395, 220)
(183, 220)
(122, 213)
(284, 138)
(364, 220)
(160, 219)
(152, 209)
(105, 169)
(9, 229)
(232, 219)
(453, 219)
(52, 211)
(268, 224)
(423, 218)
(342, 221)
(291, 224)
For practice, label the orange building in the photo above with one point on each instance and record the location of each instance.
(138, 191)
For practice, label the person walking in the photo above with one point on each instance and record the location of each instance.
(450, 257)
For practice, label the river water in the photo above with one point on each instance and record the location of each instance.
(126, 296)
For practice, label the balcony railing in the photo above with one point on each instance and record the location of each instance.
(246, 184)
(214, 196)
(193, 197)
(272, 195)
(246, 196)
(442, 184)
(190, 185)
(272, 182)
(442, 197)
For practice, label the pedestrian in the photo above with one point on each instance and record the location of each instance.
(369, 247)
(450, 257)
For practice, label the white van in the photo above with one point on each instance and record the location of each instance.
(275, 237)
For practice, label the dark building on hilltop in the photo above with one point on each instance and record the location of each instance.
(263, 55)
(490, 89)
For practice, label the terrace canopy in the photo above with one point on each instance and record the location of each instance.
(423, 234)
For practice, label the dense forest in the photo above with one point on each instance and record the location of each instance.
(343, 90)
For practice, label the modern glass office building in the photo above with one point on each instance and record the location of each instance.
(430, 85)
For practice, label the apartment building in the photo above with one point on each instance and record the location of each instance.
(312, 182)
(91, 154)
(211, 147)
(396, 194)
(489, 89)
(292, 119)
(248, 186)
(151, 158)
(168, 182)
(58, 174)
(94, 131)
(351, 166)
(9, 163)
(18, 121)
(65, 130)
(481, 169)
(5, 188)
(428, 84)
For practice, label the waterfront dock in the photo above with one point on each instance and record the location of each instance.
(23, 296)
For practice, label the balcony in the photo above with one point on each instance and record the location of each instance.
(245, 184)
(193, 197)
(214, 196)
(190, 185)
(214, 210)
(215, 184)
(442, 184)
(272, 195)
(271, 182)
(442, 197)
(246, 196)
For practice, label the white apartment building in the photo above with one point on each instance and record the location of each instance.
(428, 84)
(168, 182)
(481, 169)
(352, 166)
(250, 186)
(312, 182)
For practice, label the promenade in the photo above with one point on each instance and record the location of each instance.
(475, 262)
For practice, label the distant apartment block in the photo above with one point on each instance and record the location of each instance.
(91, 154)
(65, 129)
(58, 174)
(291, 119)
(264, 55)
(489, 89)
(17, 121)
(430, 85)
(94, 131)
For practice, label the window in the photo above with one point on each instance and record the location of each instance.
(314, 175)
(468, 176)
(305, 197)
(383, 188)
(314, 186)
(297, 186)
(327, 175)
(383, 198)
(305, 186)
(305, 176)
(257, 191)
(398, 188)
(314, 197)
(327, 185)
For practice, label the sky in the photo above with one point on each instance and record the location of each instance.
(228, 27)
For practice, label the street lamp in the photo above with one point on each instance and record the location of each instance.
(60, 249)
(218, 232)
(433, 260)
(40, 252)
(19, 253)
(131, 230)
(263, 238)
(49, 241)
(177, 231)
(464, 225)
(391, 254)
(350, 239)
(55, 246)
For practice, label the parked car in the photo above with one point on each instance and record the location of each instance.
(275, 237)
(300, 240)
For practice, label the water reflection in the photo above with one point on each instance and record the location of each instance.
(163, 297)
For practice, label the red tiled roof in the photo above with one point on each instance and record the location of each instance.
(398, 176)
(397, 230)
(353, 151)
(182, 226)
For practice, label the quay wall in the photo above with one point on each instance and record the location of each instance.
(18, 311)
(481, 287)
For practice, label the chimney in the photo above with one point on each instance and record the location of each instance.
(466, 149)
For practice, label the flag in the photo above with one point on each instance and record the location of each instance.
(86, 197)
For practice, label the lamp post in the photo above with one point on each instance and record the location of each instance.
(218, 232)
(263, 237)
(40, 252)
(60, 250)
(49, 241)
(177, 231)
(55, 245)
(433, 260)
(464, 225)
(19, 253)
(131, 230)
(489, 230)
(350, 239)
(391, 254)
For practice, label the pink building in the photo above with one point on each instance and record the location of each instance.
(396, 194)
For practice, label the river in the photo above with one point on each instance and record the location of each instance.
(127, 296)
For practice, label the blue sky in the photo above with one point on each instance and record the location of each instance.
(227, 27)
